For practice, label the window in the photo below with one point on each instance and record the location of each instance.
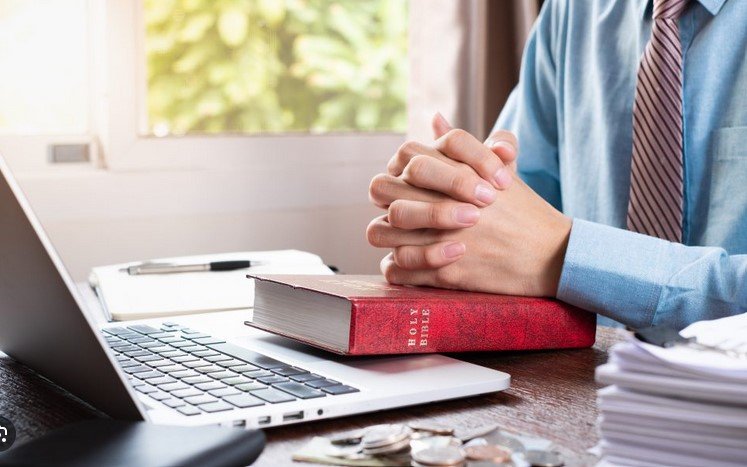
(269, 66)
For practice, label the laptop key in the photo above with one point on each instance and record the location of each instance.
(191, 334)
(189, 392)
(249, 356)
(181, 344)
(159, 395)
(322, 383)
(116, 330)
(136, 369)
(180, 357)
(189, 410)
(160, 363)
(208, 340)
(199, 400)
(257, 374)
(288, 371)
(144, 329)
(193, 348)
(209, 369)
(195, 363)
(224, 392)
(127, 362)
(212, 385)
(339, 389)
(273, 396)
(171, 387)
(236, 380)
(184, 374)
(142, 340)
(243, 368)
(205, 353)
(225, 374)
(161, 380)
(164, 349)
(243, 401)
(218, 358)
(173, 368)
(150, 345)
(186, 330)
(145, 388)
(306, 377)
(162, 335)
(219, 406)
(126, 348)
(246, 387)
(299, 390)
(231, 363)
(137, 353)
(173, 403)
(274, 379)
(148, 358)
(197, 379)
(149, 374)
(171, 339)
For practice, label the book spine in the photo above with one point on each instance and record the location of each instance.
(412, 326)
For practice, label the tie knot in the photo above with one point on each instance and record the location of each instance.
(669, 9)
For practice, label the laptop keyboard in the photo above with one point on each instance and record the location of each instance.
(196, 373)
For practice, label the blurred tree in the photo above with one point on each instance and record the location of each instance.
(254, 66)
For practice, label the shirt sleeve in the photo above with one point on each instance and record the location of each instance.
(531, 109)
(643, 281)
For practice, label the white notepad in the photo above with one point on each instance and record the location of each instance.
(126, 297)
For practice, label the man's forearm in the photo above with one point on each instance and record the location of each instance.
(642, 281)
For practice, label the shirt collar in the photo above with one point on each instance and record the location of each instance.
(713, 6)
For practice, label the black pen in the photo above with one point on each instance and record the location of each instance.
(168, 268)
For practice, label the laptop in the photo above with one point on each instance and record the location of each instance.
(192, 370)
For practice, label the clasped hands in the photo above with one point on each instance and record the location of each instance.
(457, 216)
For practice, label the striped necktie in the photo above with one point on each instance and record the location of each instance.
(656, 196)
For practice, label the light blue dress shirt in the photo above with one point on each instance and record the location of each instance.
(572, 113)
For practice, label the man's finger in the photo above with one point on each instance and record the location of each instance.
(447, 215)
(407, 151)
(463, 147)
(381, 234)
(440, 125)
(504, 144)
(384, 189)
(396, 275)
(458, 182)
(410, 257)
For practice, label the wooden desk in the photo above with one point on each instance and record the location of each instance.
(552, 395)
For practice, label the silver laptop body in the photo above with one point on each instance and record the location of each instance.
(51, 326)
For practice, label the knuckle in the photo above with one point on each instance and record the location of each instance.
(454, 140)
(459, 185)
(377, 187)
(389, 270)
(374, 233)
(408, 148)
(437, 215)
(407, 257)
(416, 169)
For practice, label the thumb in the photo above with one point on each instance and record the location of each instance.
(440, 125)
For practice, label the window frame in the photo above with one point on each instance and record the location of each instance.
(120, 113)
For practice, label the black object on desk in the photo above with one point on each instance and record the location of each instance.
(119, 443)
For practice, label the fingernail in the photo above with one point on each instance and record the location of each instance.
(466, 214)
(443, 120)
(454, 250)
(503, 178)
(485, 193)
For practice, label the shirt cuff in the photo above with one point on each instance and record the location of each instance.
(613, 272)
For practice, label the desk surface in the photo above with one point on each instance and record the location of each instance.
(552, 395)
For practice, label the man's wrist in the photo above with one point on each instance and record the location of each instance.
(561, 234)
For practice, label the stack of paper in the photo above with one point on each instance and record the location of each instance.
(126, 297)
(677, 406)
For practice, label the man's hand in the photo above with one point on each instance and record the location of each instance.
(517, 247)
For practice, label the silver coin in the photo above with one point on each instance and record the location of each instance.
(394, 448)
(434, 442)
(479, 432)
(347, 438)
(383, 435)
(539, 458)
(440, 456)
(430, 427)
(513, 444)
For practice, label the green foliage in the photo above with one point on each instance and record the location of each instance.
(251, 66)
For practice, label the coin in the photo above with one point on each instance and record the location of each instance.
(513, 444)
(539, 458)
(429, 427)
(383, 435)
(489, 452)
(347, 438)
(479, 432)
(439, 456)
(394, 448)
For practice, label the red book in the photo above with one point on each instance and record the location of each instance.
(365, 315)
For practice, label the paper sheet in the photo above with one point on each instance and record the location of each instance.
(146, 296)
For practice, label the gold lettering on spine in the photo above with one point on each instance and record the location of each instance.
(418, 325)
